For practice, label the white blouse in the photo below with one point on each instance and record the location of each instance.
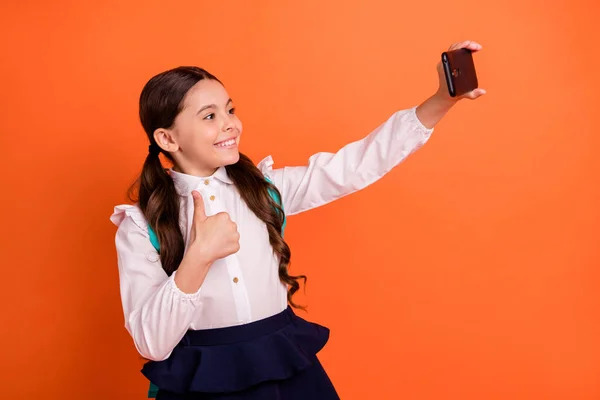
(245, 286)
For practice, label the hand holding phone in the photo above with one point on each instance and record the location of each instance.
(459, 70)
(456, 72)
(456, 81)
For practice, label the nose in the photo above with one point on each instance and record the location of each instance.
(229, 123)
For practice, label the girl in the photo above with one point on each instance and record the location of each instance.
(202, 260)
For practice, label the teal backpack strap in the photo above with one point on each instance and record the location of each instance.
(153, 390)
(275, 197)
(153, 238)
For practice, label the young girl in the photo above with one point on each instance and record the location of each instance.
(202, 260)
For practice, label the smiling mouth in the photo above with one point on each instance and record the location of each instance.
(226, 143)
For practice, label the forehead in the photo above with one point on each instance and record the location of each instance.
(205, 92)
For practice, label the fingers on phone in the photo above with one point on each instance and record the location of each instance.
(475, 93)
(467, 44)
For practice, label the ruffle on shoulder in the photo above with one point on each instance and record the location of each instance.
(266, 165)
(132, 211)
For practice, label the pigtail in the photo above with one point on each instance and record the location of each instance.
(155, 192)
(159, 202)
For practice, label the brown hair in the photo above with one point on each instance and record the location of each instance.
(161, 101)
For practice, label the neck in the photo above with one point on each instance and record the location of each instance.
(194, 170)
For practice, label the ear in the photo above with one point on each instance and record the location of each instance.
(164, 138)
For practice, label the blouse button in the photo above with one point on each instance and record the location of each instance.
(235, 280)
(206, 182)
(212, 198)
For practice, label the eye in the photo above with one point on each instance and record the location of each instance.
(232, 110)
(209, 116)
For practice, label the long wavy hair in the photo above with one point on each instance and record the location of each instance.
(161, 101)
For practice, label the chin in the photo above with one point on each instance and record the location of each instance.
(234, 158)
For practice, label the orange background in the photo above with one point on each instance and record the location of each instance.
(469, 272)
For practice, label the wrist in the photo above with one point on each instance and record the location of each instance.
(443, 99)
(432, 110)
(198, 255)
(191, 273)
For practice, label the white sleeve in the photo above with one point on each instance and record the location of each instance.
(157, 314)
(330, 176)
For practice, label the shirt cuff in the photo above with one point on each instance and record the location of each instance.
(412, 112)
(193, 298)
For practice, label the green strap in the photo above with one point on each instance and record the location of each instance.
(153, 390)
(153, 238)
(275, 197)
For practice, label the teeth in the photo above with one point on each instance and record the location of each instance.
(226, 143)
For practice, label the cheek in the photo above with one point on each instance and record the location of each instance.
(199, 139)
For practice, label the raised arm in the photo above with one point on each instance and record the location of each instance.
(330, 176)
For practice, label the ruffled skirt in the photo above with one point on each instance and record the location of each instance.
(274, 358)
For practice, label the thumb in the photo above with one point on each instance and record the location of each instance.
(474, 94)
(199, 211)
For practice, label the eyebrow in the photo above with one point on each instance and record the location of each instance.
(212, 106)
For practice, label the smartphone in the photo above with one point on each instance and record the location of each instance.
(460, 71)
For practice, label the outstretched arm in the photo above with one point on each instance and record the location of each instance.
(330, 176)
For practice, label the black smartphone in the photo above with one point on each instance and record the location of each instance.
(459, 69)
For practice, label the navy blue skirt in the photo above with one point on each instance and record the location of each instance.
(274, 358)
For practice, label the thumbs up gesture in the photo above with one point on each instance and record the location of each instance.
(212, 238)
